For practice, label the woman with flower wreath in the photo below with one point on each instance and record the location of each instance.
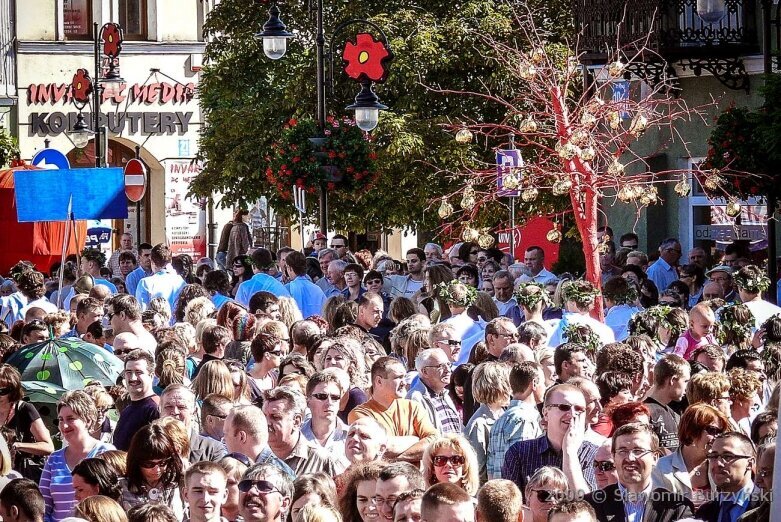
(672, 323)
(459, 297)
(736, 324)
(578, 298)
(533, 300)
(620, 296)
(751, 282)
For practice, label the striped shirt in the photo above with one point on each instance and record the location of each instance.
(440, 408)
(57, 483)
(527, 456)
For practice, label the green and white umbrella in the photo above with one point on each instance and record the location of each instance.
(69, 363)
(44, 396)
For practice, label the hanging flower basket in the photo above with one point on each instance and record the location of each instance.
(341, 157)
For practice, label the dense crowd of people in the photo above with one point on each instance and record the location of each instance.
(333, 385)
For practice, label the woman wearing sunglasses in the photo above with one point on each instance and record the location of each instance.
(545, 488)
(76, 415)
(686, 470)
(154, 471)
(451, 459)
(268, 351)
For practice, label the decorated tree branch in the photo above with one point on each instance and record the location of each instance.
(578, 142)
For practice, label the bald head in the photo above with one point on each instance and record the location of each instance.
(712, 291)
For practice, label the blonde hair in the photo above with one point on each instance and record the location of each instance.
(198, 309)
(318, 513)
(186, 333)
(170, 366)
(175, 429)
(547, 477)
(213, 377)
(294, 379)
(117, 459)
(5, 455)
(470, 481)
(82, 405)
(200, 327)
(101, 398)
(353, 351)
(99, 508)
(288, 311)
(491, 382)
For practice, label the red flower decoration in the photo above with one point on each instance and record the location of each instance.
(112, 40)
(81, 86)
(366, 59)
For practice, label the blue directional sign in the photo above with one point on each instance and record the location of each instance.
(50, 159)
(45, 195)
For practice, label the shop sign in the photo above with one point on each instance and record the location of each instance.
(185, 217)
(728, 233)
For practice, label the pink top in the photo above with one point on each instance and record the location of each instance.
(686, 344)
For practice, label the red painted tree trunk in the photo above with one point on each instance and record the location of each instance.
(583, 198)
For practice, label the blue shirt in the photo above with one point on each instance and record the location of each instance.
(520, 421)
(165, 283)
(132, 279)
(524, 458)
(733, 505)
(662, 274)
(309, 297)
(260, 282)
(617, 318)
(218, 300)
(328, 289)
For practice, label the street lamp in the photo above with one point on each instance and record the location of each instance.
(372, 57)
(711, 11)
(82, 87)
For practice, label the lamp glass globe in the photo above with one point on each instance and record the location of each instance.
(367, 118)
(80, 139)
(275, 47)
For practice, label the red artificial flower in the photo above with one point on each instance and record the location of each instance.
(296, 159)
(331, 185)
(81, 86)
(372, 155)
(293, 122)
(366, 59)
(331, 154)
(112, 40)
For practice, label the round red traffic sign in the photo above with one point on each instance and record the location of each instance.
(135, 180)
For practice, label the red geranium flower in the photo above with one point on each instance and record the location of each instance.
(112, 40)
(366, 59)
(81, 86)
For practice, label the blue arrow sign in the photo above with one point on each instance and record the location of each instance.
(50, 159)
(44, 195)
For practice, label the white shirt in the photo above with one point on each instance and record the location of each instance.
(41, 303)
(762, 311)
(602, 330)
(505, 307)
(617, 318)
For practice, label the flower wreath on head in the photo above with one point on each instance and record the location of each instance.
(754, 285)
(582, 292)
(445, 292)
(660, 312)
(729, 323)
(93, 254)
(529, 294)
(583, 335)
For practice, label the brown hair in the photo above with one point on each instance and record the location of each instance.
(99, 508)
(696, 418)
(10, 378)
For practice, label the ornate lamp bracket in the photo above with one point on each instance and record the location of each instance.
(731, 72)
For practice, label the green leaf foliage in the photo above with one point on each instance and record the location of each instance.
(247, 98)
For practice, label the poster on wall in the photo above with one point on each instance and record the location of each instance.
(185, 218)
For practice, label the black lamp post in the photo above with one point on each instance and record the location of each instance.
(367, 105)
(82, 87)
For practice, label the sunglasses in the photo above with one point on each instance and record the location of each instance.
(263, 486)
(546, 496)
(604, 465)
(278, 353)
(450, 342)
(374, 282)
(326, 396)
(712, 430)
(5, 391)
(441, 460)
(150, 464)
(566, 408)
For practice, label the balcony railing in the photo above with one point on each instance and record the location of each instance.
(674, 31)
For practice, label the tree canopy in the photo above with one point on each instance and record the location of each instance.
(247, 98)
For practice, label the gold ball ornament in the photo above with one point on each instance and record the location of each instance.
(568, 151)
(445, 209)
(485, 240)
(562, 187)
(464, 136)
(538, 56)
(530, 194)
(588, 153)
(639, 124)
(616, 69)
(733, 209)
(528, 125)
(682, 188)
(468, 198)
(527, 71)
(713, 181)
(580, 137)
(616, 168)
(626, 193)
(554, 235)
(512, 180)
(470, 234)
(614, 119)
(588, 119)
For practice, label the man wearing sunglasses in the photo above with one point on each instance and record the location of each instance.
(731, 458)
(265, 494)
(562, 446)
(635, 449)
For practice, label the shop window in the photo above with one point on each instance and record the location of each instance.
(77, 19)
(133, 19)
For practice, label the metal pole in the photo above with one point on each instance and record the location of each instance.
(321, 108)
(96, 99)
(512, 228)
(772, 267)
